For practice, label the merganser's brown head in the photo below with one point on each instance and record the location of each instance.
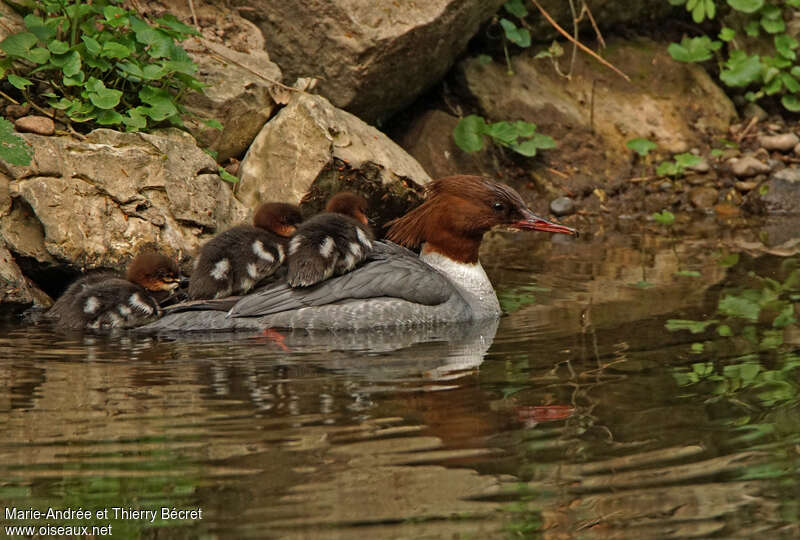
(349, 204)
(154, 272)
(458, 210)
(280, 218)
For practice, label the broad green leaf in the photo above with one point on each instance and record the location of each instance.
(696, 49)
(751, 29)
(116, 16)
(13, 148)
(543, 142)
(100, 96)
(791, 103)
(785, 45)
(525, 129)
(39, 55)
(741, 69)
(19, 44)
(724, 330)
(112, 49)
(18, 82)
(773, 26)
(131, 69)
(171, 22)
(727, 34)
(109, 118)
(212, 123)
(503, 132)
(785, 318)
(667, 168)
(75, 80)
(738, 306)
(36, 25)
(687, 160)
(519, 36)
(746, 6)
(58, 47)
(468, 133)
(641, 146)
(92, 45)
(135, 120)
(153, 72)
(665, 217)
(225, 175)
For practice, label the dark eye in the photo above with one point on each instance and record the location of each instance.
(498, 207)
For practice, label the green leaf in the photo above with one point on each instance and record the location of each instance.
(751, 29)
(641, 146)
(112, 49)
(58, 47)
(696, 348)
(695, 327)
(696, 49)
(741, 69)
(516, 8)
(773, 26)
(13, 148)
(43, 31)
(158, 43)
(225, 175)
(738, 306)
(109, 118)
(503, 132)
(785, 318)
(524, 129)
(135, 120)
(75, 80)
(153, 72)
(19, 44)
(39, 55)
(667, 168)
(100, 96)
(687, 160)
(484, 59)
(785, 45)
(212, 123)
(791, 103)
(726, 261)
(687, 273)
(727, 34)
(116, 16)
(746, 6)
(92, 45)
(519, 36)
(171, 22)
(468, 133)
(665, 217)
(160, 103)
(724, 330)
(18, 82)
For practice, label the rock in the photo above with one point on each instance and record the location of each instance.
(745, 185)
(238, 96)
(754, 110)
(747, 166)
(311, 148)
(40, 125)
(783, 142)
(796, 150)
(128, 189)
(562, 206)
(666, 185)
(15, 288)
(17, 110)
(371, 59)
(726, 209)
(780, 194)
(596, 111)
(429, 139)
(702, 167)
(703, 197)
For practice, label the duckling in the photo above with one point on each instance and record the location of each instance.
(104, 300)
(331, 243)
(235, 261)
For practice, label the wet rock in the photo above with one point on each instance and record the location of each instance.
(311, 143)
(703, 197)
(732, 196)
(754, 110)
(666, 185)
(780, 194)
(783, 142)
(726, 209)
(40, 125)
(797, 150)
(562, 206)
(747, 166)
(368, 57)
(745, 185)
(95, 203)
(15, 288)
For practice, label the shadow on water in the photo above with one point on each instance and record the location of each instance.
(639, 387)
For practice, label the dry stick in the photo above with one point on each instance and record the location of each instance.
(575, 36)
(194, 15)
(583, 47)
(224, 58)
(9, 98)
(594, 24)
(750, 125)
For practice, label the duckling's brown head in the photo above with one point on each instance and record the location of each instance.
(349, 204)
(154, 271)
(280, 218)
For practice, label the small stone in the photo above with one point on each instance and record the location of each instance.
(745, 185)
(703, 197)
(666, 185)
(702, 167)
(789, 174)
(747, 166)
(752, 110)
(782, 142)
(562, 206)
(40, 125)
(797, 149)
(726, 209)
(733, 197)
(15, 111)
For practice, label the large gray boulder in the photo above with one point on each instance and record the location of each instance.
(97, 202)
(372, 58)
(311, 149)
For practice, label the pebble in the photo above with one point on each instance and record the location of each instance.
(726, 209)
(747, 166)
(797, 149)
(15, 111)
(751, 109)
(783, 142)
(745, 185)
(702, 167)
(703, 197)
(562, 206)
(789, 174)
(35, 124)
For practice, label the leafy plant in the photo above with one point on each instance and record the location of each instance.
(677, 167)
(665, 217)
(521, 137)
(641, 146)
(101, 64)
(13, 148)
(775, 74)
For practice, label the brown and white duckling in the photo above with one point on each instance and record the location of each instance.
(105, 300)
(234, 261)
(331, 243)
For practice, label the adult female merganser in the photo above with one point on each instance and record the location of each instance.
(331, 243)
(394, 287)
(234, 261)
(104, 300)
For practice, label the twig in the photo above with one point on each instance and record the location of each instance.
(194, 15)
(583, 47)
(642, 178)
(80, 136)
(224, 58)
(753, 121)
(9, 98)
(588, 12)
(557, 172)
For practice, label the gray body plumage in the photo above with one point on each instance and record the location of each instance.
(393, 288)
